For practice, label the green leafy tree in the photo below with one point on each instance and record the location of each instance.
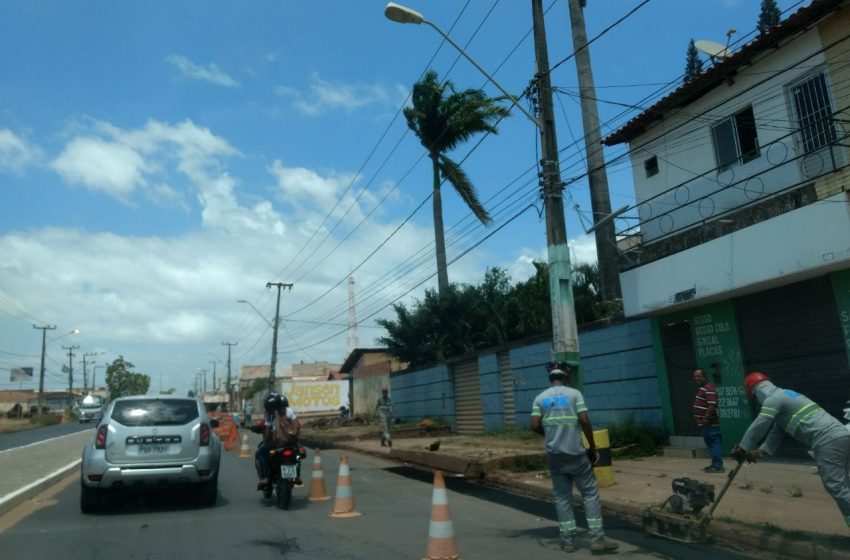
(258, 385)
(769, 17)
(693, 63)
(121, 381)
(443, 118)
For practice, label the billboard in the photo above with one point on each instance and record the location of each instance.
(20, 374)
(315, 396)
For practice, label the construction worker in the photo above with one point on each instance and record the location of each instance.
(786, 411)
(385, 411)
(560, 415)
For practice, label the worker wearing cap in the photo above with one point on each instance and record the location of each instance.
(385, 411)
(786, 411)
(560, 415)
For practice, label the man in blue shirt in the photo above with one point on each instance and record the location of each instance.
(560, 415)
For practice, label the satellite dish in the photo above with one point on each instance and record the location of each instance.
(712, 49)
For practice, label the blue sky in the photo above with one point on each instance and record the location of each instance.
(161, 160)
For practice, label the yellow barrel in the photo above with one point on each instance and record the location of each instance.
(604, 469)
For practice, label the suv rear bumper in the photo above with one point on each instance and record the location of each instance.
(129, 476)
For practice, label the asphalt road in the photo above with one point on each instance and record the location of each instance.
(395, 502)
(26, 437)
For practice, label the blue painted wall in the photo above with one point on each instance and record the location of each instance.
(426, 392)
(617, 369)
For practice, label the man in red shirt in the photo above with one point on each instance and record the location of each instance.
(705, 414)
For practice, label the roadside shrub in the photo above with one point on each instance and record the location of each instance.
(630, 439)
(43, 420)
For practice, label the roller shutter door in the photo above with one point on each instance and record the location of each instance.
(507, 387)
(793, 335)
(468, 412)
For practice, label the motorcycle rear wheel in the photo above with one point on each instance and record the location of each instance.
(283, 494)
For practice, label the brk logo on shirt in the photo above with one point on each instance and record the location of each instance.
(557, 401)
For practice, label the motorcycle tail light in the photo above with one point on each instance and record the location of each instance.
(288, 453)
(100, 437)
(205, 434)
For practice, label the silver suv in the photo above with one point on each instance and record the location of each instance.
(151, 441)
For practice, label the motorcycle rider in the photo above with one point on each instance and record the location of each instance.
(280, 426)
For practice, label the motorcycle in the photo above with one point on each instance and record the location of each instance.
(284, 469)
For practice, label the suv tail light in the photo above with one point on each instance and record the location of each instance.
(205, 434)
(100, 437)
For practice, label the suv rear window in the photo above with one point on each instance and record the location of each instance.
(153, 412)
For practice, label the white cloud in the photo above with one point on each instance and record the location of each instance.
(209, 73)
(101, 166)
(301, 187)
(325, 96)
(16, 153)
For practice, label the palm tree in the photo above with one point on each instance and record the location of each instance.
(442, 118)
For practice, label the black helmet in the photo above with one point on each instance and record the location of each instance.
(284, 402)
(272, 402)
(558, 370)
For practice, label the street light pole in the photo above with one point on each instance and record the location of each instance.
(279, 285)
(564, 330)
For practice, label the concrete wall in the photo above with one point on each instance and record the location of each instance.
(366, 392)
(617, 368)
(424, 392)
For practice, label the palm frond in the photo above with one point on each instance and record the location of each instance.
(464, 187)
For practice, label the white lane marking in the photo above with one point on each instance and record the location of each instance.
(58, 472)
(40, 442)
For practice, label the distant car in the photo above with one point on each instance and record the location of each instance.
(89, 409)
(149, 442)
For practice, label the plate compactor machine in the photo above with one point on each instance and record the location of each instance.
(683, 516)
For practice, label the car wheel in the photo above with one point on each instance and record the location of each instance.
(89, 499)
(208, 492)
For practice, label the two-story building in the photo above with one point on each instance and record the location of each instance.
(742, 251)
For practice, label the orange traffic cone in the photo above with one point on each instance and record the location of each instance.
(230, 444)
(245, 450)
(441, 533)
(318, 493)
(344, 504)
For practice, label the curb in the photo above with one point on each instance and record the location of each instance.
(10, 501)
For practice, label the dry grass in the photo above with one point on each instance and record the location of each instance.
(9, 425)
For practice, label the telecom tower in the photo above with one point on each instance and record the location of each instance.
(353, 342)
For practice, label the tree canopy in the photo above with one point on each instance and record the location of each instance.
(693, 63)
(467, 318)
(121, 381)
(769, 16)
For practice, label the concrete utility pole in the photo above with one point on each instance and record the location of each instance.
(564, 330)
(44, 330)
(600, 200)
(214, 385)
(70, 350)
(279, 285)
(229, 392)
(85, 371)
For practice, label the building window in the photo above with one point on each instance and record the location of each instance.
(651, 166)
(813, 111)
(736, 139)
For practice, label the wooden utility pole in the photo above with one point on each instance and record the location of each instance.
(600, 200)
(70, 350)
(230, 406)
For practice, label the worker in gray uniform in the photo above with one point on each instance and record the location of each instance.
(384, 407)
(786, 411)
(560, 415)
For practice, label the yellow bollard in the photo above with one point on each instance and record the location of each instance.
(604, 469)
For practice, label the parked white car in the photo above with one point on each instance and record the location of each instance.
(149, 442)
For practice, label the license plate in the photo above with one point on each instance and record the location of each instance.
(288, 471)
(149, 449)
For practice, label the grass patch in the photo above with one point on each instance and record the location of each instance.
(629, 439)
(747, 486)
(766, 489)
(795, 491)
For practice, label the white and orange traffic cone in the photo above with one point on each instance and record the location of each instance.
(318, 492)
(441, 533)
(245, 450)
(344, 503)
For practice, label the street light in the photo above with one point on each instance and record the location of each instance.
(263, 317)
(564, 329)
(403, 14)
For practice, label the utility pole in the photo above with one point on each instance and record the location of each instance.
(564, 330)
(85, 371)
(600, 200)
(214, 386)
(279, 285)
(44, 330)
(70, 350)
(229, 392)
(94, 373)
(203, 374)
